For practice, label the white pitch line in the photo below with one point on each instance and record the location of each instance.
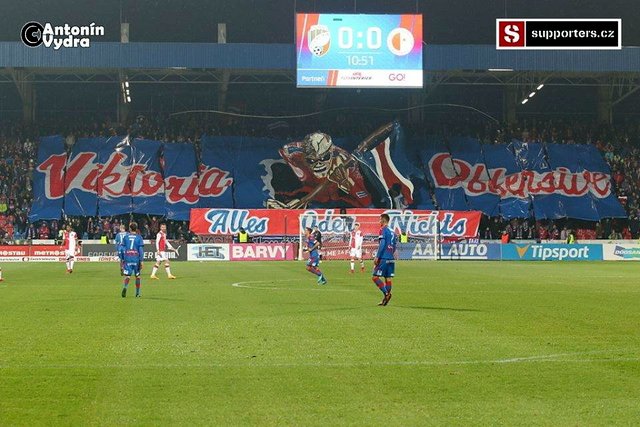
(247, 285)
(549, 358)
(326, 365)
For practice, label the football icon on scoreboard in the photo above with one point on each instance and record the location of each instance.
(319, 40)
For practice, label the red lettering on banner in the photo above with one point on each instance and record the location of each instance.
(145, 183)
(182, 189)
(602, 183)
(456, 173)
(286, 222)
(213, 181)
(478, 182)
(115, 179)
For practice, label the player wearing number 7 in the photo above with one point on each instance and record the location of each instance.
(384, 262)
(131, 252)
(162, 246)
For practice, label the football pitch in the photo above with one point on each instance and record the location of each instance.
(461, 343)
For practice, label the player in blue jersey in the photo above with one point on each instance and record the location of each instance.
(119, 239)
(384, 262)
(314, 257)
(132, 253)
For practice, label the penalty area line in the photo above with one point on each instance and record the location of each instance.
(253, 284)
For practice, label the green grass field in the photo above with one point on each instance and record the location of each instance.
(461, 343)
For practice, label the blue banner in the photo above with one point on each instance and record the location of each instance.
(551, 252)
(444, 176)
(260, 173)
(216, 182)
(180, 180)
(147, 183)
(538, 179)
(480, 198)
(506, 182)
(114, 184)
(81, 178)
(111, 176)
(593, 165)
(563, 160)
(48, 188)
(529, 155)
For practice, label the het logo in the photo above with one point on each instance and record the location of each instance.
(510, 34)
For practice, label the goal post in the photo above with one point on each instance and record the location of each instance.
(336, 236)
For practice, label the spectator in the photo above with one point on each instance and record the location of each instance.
(43, 231)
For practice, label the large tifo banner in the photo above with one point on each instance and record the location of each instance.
(291, 222)
(118, 175)
(521, 179)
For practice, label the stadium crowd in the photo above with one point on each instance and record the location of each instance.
(620, 146)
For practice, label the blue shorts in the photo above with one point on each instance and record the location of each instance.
(131, 269)
(386, 268)
(313, 261)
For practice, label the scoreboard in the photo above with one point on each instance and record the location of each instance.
(363, 51)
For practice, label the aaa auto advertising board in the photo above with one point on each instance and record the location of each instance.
(283, 222)
(451, 251)
(621, 252)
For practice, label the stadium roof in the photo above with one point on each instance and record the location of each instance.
(251, 56)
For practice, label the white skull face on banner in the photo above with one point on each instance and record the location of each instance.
(318, 151)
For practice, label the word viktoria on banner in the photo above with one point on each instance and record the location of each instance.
(115, 179)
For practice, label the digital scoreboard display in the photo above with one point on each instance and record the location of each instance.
(362, 51)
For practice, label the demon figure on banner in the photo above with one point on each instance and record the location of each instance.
(316, 172)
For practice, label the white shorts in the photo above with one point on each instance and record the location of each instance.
(355, 253)
(162, 256)
(69, 254)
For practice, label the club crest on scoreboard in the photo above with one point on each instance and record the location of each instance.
(319, 40)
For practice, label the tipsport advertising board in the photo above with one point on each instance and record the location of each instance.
(551, 252)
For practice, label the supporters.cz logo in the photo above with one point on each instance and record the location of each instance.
(558, 34)
(34, 34)
(511, 33)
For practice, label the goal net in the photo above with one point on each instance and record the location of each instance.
(340, 238)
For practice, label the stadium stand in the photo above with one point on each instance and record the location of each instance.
(18, 149)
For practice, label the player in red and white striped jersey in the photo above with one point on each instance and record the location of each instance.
(70, 244)
(162, 246)
(355, 247)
